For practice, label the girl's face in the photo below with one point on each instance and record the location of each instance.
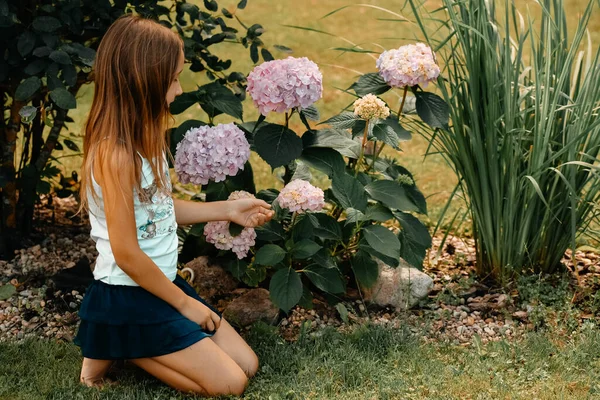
(175, 88)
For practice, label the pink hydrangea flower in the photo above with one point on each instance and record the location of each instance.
(280, 85)
(410, 65)
(217, 232)
(211, 153)
(300, 196)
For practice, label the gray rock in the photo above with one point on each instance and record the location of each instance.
(210, 280)
(401, 287)
(253, 306)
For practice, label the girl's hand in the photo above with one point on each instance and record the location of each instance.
(249, 212)
(197, 312)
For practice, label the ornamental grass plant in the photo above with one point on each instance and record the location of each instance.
(524, 137)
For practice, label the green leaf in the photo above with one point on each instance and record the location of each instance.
(382, 240)
(197, 229)
(393, 262)
(415, 239)
(417, 198)
(432, 109)
(43, 187)
(268, 195)
(62, 98)
(43, 51)
(226, 13)
(277, 145)
(392, 194)
(242, 4)
(365, 268)
(349, 192)
(302, 172)
(304, 249)
(384, 133)
(323, 258)
(403, 134)
(283, 49)
(183, 102)
(211, 5)
(306, 301)
(71, 145)
(60, 57)
(69, 75)
(35, 67)
(27, 114)
(191, 9)
(311, 113)
(332, 138)
(269, 254)
(353, 216)
(326, 279)
(255, 274)
(370, 83)
(327, 227)
(285, 289)
(27, 88)
(221, 98)
(303, 228)
(26, 43)
(237, 268)
(272, 231)
(378, 212)
(235, 229)
(324, 159)
(6, 291)
(46, 24)
(266, 54)
(345, 120)
(254, 53)
(343, 311)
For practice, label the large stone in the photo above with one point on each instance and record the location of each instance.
(210, 280)
(253, 306)
(401, 287)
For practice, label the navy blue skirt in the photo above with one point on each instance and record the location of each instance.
(124, 322)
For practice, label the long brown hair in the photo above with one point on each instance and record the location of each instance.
(135, 65)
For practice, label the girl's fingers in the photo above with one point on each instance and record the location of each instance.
(210, 325)
(216, 320)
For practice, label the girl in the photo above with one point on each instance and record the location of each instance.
(137, 308)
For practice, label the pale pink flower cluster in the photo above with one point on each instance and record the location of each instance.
(211, 153)
(217, 232)
(370, 107)
(280, 85)
(410, 65)
(300, 196)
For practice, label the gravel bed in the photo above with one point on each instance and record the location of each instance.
(460, 310)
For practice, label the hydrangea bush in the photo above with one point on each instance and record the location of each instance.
(320, 241)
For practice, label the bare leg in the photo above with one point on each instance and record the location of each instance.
(203, 368)
(235, 347)
(93, 371)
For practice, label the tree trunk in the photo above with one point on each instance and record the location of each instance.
(9, 236)
(31, 175)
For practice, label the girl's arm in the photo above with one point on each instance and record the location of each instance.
(245, 212)
(117, 191)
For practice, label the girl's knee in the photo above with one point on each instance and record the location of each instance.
(252, 365)
(235, 384)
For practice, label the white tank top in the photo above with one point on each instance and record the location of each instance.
(155, 225)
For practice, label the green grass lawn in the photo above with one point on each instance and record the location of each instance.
(369, 363)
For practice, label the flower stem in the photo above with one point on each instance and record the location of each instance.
(402, 103)
(294, 214)
(362, 148)
(287, 119)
